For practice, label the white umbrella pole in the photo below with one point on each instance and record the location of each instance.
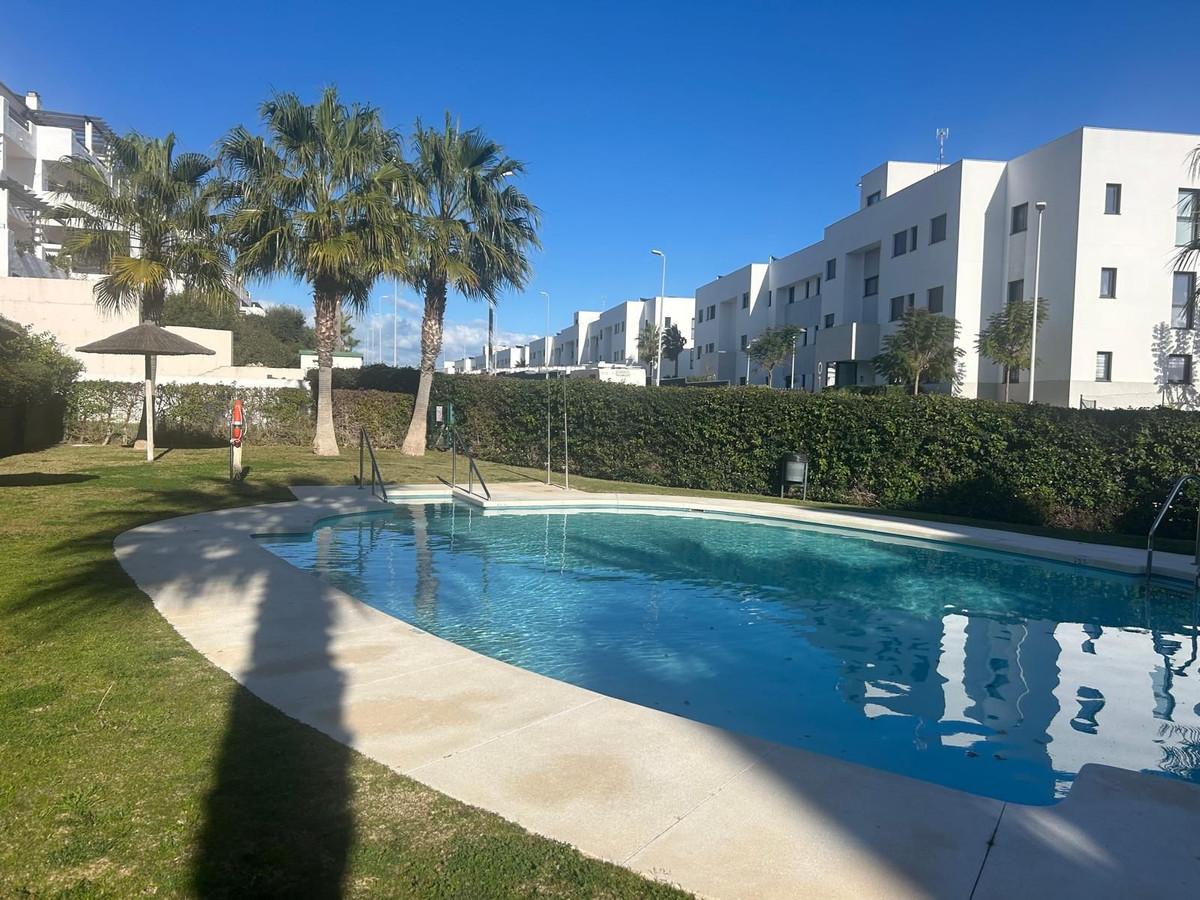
(150, 361)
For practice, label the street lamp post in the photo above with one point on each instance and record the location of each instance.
(1040, 205)
(792, 377)
(658, 317)
(395, 313)
(546, 366)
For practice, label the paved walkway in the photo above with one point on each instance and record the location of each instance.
(717, 813)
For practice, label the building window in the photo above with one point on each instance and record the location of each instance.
(937, 229)
(830, 269)
(871, 286)
(1104, 365)
(667, 322)
(1183, 300)
(1179, 369)
(792, 294)
(709, 348)
(712, 311)
(818, 290)
(741, 379)
(1014, 376)
(1187, 217)
(745, 341)
(1020, 218)
(1108, 283)
(874, 198)
(746, 300)
(936, 298)
(1112, 199)
(897, 311)
(899, 243)
(770, 297)
(912, 238)
(829, 320)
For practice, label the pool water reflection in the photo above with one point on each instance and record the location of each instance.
(997, 674)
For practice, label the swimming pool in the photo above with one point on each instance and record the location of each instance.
(993, 673)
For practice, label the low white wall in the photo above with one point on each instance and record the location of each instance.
(67, 309)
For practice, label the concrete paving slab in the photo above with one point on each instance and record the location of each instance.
(803, 825)
(607, 777)
(412, 719)
(1118, 835)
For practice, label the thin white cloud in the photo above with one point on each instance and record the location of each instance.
(458, 338)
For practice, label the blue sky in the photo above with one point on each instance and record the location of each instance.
(720, 132)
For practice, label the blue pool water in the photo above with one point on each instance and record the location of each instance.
(997, 674)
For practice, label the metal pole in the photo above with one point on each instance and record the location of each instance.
(1037, 272)
(747, 365)
(546, 365)
(360, 458)
(658, 319)
(566, 451)
(792, 377)
(395, 309)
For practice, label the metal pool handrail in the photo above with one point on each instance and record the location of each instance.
(364, 444)
(1158, 521)
(472, 469)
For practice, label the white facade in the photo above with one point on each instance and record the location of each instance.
(897, 251)
(32, 142)
(342, 359)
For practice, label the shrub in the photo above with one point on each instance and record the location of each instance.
(1096, 470)
(384, 414)
(195, 414)
(34, 368)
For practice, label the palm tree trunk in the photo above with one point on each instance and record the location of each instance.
(328, 309)
(431, 346)
(917, 385)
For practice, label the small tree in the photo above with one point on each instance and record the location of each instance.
(1007, 340)
(647, 343)
(922, 347)
(673, 345)
(772, 347)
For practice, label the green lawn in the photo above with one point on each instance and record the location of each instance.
(130, 766)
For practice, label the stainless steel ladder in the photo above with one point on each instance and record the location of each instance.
(1162, 513)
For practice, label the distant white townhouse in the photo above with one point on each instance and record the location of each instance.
(1111, 208)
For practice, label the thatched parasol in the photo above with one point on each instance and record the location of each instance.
(150, 341)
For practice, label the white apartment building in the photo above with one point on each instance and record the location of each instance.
(33, 140)
(571, 343)
(961, 240)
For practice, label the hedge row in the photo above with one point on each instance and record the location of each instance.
(198, 414)
(1100, 470)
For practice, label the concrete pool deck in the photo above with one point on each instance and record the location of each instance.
(717, 813)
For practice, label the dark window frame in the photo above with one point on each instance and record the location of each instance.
(937, 229)
(1112, 199)
(1019, 220)
(1109, 292)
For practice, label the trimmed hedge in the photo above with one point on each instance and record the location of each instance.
(197, 414)
(1096, 470)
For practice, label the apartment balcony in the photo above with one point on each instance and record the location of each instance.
(18, 133)
(853, 341)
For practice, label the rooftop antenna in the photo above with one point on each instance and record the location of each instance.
(942, 134)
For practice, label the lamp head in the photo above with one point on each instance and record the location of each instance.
(658, 253)
(1040, 206)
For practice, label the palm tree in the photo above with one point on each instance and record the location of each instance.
(673, 345)
(922, 347)
(317, 199)
(473, 233)
(154, 225)
(1008, 337)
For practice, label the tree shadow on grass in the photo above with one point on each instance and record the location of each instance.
(43, 479)
(277, 818)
